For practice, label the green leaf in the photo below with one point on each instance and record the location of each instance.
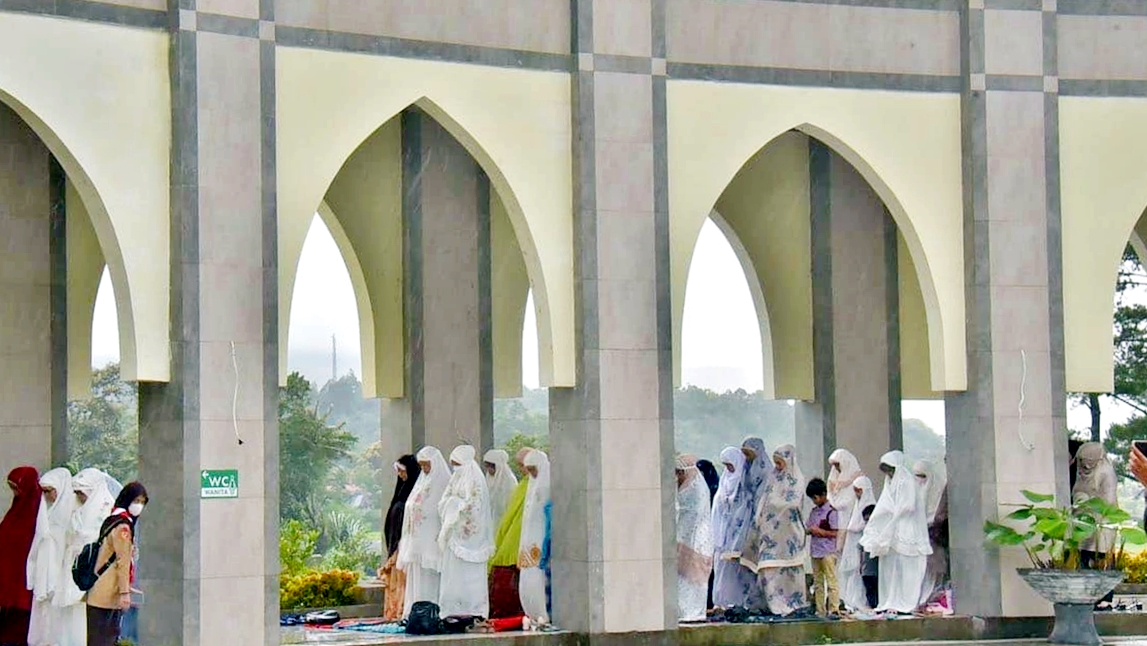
(1133, 535)
(1020, 514)
(1055, 528)
(1037, 498)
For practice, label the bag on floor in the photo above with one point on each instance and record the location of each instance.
(424, 619)
(458, 624)
(84, 571)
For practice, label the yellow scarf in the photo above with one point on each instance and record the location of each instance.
(510, 529)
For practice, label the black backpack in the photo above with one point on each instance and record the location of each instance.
(423, 619)
(84, 571)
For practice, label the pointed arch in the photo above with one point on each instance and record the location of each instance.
(760, 304)
(106, 120)
(330, 104)
(906, 147)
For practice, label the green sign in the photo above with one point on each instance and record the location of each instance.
(219, 483)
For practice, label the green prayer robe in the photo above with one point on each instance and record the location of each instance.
(510, 529)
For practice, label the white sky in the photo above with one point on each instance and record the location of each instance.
(721, 345)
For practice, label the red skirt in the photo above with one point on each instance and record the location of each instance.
(504, 601)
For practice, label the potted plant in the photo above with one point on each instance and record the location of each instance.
(1051, 536)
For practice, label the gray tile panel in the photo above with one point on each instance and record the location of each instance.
(1014, 83)
(1102, 7)
(813, 78)
(485, 317)
(892, 316)
(412, 261)
(90, 10)
(622, 64)
(926, 5)
(1100, 88)
(58, 298)
(402, 48)
(820, 218)
(227, 25)
(1014, 5)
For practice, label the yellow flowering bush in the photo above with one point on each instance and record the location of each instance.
(1135, 567)
(317, 589)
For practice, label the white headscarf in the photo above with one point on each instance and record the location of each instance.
(85, 527)
(844, 470)
(936, 477)
(420, 521)
(694, 523)
(534, 510)
(501, 484)
(899, 523)
(52, 522)
(465, 510)
(867, 497)
(732, 506)
(850, 554)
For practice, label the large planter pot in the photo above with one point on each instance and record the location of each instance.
(1074, 594)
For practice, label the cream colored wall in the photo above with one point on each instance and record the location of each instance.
(1103, 187)
(509, 293)
(767, 206)
(85, 269)
(365, 200)
(516, 123)
(915, 359)
(905, 144)
(97, 95)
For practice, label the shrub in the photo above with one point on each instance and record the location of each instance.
(296, 547)
(317, 590)
(1135, 567)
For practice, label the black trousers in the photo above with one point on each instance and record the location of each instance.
(103, 626)
(872, 590)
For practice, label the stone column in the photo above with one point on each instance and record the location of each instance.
(201, 559)
(26, 357)
(1007, 432)
(446, 216)
(614, 557)
(856, 320)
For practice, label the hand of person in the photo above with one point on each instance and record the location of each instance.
(124, 600)
(1138, 463)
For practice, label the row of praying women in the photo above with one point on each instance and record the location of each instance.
(52, 518)
(453, 530)
(750, 532)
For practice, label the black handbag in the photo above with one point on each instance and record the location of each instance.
(424, 619)
(458, 624)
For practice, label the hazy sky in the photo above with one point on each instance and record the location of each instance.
(721, 344)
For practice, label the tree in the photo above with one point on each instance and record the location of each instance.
(1130, 357)
(103, 431)
(309, 450)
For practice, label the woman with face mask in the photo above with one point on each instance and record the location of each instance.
(46, 560)
(110, 597)
(466, 538)
(852, 591)
(732, 513)
(17, 531)
(93, 503)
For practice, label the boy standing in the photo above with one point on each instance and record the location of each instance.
(822, 527)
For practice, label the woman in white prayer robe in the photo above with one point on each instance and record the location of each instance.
(466, 538)
(848, 569)
(733, 583)
(694, 540)
(91, 489)
(844, 469)
(933, 477)
(500, 481)
(897, 534)
(534, 545)
(46, 559)
(418, 553)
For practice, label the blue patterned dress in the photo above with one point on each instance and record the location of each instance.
(776, 542)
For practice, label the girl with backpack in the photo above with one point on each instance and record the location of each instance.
(111, 594)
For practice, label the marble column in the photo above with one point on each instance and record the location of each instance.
(446, 218)
(1007, 432)
(614, 557)
(26, 272)
(202, 559)
(856, 335)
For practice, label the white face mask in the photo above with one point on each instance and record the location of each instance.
(135, 509)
